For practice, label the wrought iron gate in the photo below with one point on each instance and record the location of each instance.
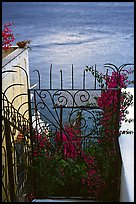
(79, 160)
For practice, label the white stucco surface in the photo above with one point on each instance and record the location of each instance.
(127, 151)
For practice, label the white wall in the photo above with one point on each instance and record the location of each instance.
(127, 151)
(18, 57)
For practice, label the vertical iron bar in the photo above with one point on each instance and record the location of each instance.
(30, 124)
(72, 78)
(37, 145)
(38, 77)
(84, 79)
(95, 76)
(118, 153)
(61, 112)
(61, 79)
(51, 76)
(106, 78)
(118, 160)
(9, 160)
(36, 118)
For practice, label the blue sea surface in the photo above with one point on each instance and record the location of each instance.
(78, 33)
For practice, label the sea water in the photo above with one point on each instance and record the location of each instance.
(78, 33)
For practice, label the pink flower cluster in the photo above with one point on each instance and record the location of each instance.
(42, 146)
(72, 149)
(109, 99)
(7, 36)
(70, 141)
(93, 180)
(95, 183)
(109, 96)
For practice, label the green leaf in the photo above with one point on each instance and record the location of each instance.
(63, 163)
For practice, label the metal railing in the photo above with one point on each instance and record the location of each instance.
(55, 110)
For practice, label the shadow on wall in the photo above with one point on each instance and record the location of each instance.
(124, 195)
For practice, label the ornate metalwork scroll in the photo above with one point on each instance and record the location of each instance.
(16, 145)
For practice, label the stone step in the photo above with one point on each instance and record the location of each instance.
(63, 200)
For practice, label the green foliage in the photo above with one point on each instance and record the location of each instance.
(55, 177)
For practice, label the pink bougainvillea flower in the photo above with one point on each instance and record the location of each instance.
(7, 36)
